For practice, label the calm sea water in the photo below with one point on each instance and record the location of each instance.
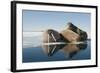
(57, 52)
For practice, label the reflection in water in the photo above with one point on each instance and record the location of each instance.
(52, 49)
(57, 52)
(70, 49)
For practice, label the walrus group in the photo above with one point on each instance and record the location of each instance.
(70, 34)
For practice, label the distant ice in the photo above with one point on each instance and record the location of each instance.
(32, 39)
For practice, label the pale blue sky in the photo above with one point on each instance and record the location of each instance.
(42, 20)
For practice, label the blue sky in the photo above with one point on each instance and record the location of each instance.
(42, 20)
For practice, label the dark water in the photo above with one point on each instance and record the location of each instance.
(57, 52)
